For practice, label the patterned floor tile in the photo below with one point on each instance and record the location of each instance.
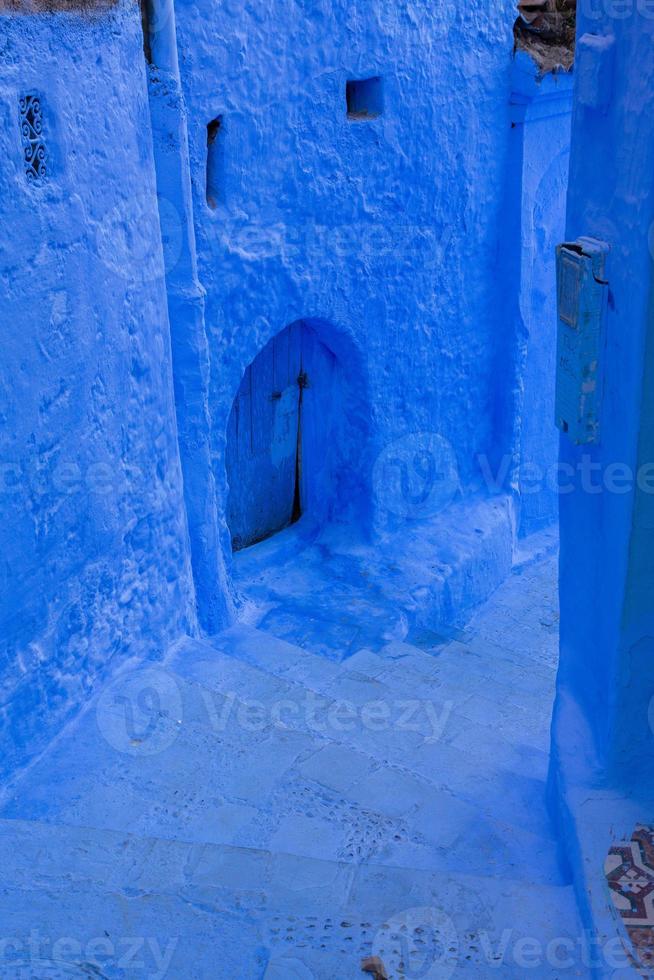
(629, 870)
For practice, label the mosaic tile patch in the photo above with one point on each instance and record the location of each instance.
(629, 870)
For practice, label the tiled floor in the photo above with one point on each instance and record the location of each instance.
(287, 800)
(630, 873)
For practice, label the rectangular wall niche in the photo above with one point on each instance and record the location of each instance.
(31, 128)
(214, 152)
(365, 98)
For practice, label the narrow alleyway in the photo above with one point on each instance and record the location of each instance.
(313, 787)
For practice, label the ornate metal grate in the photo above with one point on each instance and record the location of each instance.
(31, 126)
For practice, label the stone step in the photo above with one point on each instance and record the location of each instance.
(336, 586)
(408, 673)
(429, 736)
(269, 787)
(456, 669)
(212, 771)
(217, 911)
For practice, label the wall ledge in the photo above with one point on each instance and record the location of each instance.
(591, 816)
(537, 94)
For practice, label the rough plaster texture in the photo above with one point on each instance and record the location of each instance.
(270, 822)
(385, 235)
(385, 229)
(606, 545)
(601, 773)
(540, 138)
(185, 295)
(93, 539)
(133, 308)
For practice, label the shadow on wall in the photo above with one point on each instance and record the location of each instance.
(539, 498)
(297, 436)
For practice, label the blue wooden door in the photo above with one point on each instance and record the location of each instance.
(263, 436)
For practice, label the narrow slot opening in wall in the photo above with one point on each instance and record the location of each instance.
(213, 161)
(145, 26)
(364, 97)
(303, 382)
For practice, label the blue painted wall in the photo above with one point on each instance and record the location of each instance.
(93, 540)
(607, 548)
(602, 754)
(135, 306)
(541, 108)
(186, 314)
(386, 231)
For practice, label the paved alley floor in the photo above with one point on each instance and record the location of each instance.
(320, 784)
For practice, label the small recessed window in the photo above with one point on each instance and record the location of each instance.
(365, 98)
(213, 161)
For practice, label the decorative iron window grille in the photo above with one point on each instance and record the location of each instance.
(31, 126)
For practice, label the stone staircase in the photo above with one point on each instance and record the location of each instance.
(249, 808)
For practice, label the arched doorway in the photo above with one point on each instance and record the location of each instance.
(279, 448)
